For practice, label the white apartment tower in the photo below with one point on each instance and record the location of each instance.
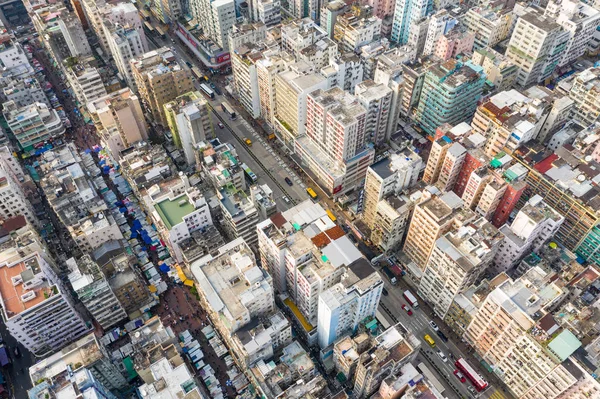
(580, 20)
(125, 43)
(376, 98)
(335, 147)
(346, 304)
(216, 17)
(534, 225)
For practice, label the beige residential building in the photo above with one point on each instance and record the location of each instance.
(498, 69)
(160, 79)
(457, 260)
(292, 88)
(527, 350)
(267, 68)
(119, 119)
(434, 216)
(585, 93)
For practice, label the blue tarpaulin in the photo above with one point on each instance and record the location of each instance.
(164, 268)
(106, 169)
(123, 209)
(118, 203)
(87, 151)
(102, 162)
(134, 234)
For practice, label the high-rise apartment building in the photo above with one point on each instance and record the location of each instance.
(159, 80)
(94, 291)
(32, 124)
(232, 288)
(245, 75)
(458, 259)
(450, 94)
(85, 81)
(343, 306)
(119, 120)
(354, 29)
(406, 14)
(538, 58)
(511, 118)
(377, 99)
(535, 224)
(188, 118)
(36, 309)
(216, 17)
(585, 93)
(434, 216)
(498, 69)
(335, 147)
(491, 25)
(580, 20)
(440, 23)
(240, 216)
(125, 43)
(267, 68)
(291, 91)
(13, 199)
(389, 176)
(509, 333)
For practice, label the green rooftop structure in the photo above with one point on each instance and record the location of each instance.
(173, 211)
(564, 345)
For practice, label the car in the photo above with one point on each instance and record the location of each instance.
(433, 326)
(221, 126)
(189, 64)
(384, 292)
(472, 390)
(442, 335)
(286, 199)
(442, 356)
(460, 376)
(407, 309)
(247, 141)
(289, 181)
(212, 85)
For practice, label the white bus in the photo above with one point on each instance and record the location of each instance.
(207, 90)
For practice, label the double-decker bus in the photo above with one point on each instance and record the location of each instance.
(478, 382)
(248, 173)
(148, 26)
(331, 215)
(161, 32)
(228, 109)
(207, 90)
(431, 377)
(312, 193)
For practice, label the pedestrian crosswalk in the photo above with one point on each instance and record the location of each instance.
(497, 395)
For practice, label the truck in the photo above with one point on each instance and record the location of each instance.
(411, 299)
(389, 275)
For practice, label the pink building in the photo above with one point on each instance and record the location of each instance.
(381, 8)
(454, 43)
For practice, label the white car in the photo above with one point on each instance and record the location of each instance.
(434, 326)
(286, 199)
(442, 356)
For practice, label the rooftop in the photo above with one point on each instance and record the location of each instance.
(172, 211)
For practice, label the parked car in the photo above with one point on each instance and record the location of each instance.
(286, 199)
(407, 309)
(442, 356)
(460, 376)
(221, 126)
(434, 326)
(442, 335)
(289, 181)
